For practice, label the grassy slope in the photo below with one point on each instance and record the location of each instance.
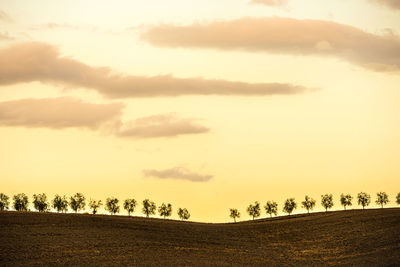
(370, 237)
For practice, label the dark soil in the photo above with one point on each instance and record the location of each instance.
(355, 237)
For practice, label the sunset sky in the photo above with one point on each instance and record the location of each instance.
(204, 104)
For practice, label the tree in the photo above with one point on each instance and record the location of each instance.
(77, 202)
(254, 210)
(382, 199)
(4, 203)
(290, 205)
(94, 205)
(149, 207)
(60, 203)
(40, 202)
(327, 201)
(345, 200)
(398, 198)
(20, 202)
(183, 214)
(112, 205)
(165, 210)
(308, 203)
(363, 199)
(271, 208)
(234, 214)
(129, 205)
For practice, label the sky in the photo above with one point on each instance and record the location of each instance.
(207, 105)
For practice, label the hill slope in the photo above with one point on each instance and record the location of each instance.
(369, 237)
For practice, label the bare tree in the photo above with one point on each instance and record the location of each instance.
(382, 199)
(77, 202)
(290, 205)
(165, 210)
(4, 202)
(234, 214)
(271, 208)
(20, 202)
(149, 207)
(363, 199)
(60, 204)
(254, 210)
(327, 201)
(94, 205)
(112, 205)
(345, 200)
(308, 203)
(129, 205)
(183, 214)
(40, 202)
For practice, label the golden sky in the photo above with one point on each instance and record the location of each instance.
(207, 105)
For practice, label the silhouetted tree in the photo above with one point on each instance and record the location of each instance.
(290, 205)
(77, 202)
(129, 205)
(4, 203)
(382, 199)
(183, 214)
(112, 205)
(165, 210)
(398, 198)
(308, 203)
(327, 201)
(20, 202)
(40, 202)
(271, 208)
(234, 214)
(94, 205)
(149, 207)
(60, 204)
(363, 199)
(254, 210)
(345, 200)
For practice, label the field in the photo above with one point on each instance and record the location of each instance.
(355, 237)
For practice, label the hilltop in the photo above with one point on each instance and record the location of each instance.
(355, 237)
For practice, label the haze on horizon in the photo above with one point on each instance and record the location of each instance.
(207, 105)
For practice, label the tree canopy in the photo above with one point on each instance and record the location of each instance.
(94, 205)
(20, 202)
(112, 205)
(77, 202)
(308, 203)
(327, 201)
(129, 205)
(254, 210)
(234, 213)
(345, 200)
(271, 207)
(382, 198)
(363, 199)
(4, 202)
(183, 214)
(290, 205)
(149, 207)
(40, 202)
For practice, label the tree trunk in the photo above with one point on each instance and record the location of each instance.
(234, 218)
(270, 215)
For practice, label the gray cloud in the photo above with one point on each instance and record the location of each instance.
(285, 36)
(28, 62)
(57, 113)
(395, 4)
(5, 17)
(165, 125)
(177, 173)
(272, 3)
(67, 112)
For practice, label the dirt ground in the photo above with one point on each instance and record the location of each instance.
(355, 237)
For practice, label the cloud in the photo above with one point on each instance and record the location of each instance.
(272, 3)
(32, 61)
(5, 36)
(178, 173)
(395, 4)
(68, 112)
(165, 125)
(5, 17)
(285, 36)
(57, 113)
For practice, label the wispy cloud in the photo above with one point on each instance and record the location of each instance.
(165, 125)
(272, 3)
(395, 4)
(67, 112)
(5, 17)
(177, 173)
(285, 36)
(29, 62)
